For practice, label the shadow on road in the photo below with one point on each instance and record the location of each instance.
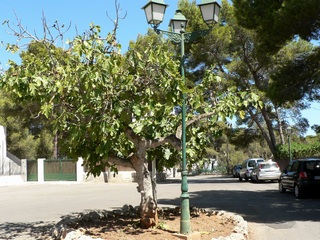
(267, 206)
(259, 206)
(205, 179)
(34, 230)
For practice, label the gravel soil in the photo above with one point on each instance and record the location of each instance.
(208, 225)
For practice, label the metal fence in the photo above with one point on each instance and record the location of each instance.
(60, 170)
(53, 170)
(32, 170)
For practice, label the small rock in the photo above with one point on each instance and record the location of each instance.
(78, 235)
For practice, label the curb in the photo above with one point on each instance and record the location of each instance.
(240, 231)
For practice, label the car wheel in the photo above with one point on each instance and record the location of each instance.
(297, 191)
(258, 180)
(281, 188)
(254, 179)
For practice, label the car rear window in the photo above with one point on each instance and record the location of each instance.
(312, 166)
(269, 165)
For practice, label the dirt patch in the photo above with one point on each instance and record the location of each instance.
(209, 224)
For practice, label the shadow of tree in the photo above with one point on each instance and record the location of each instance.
(33, 230)
(205, 179)
(259, 206)
(263, 206)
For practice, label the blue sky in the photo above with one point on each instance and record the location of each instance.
(80, 13)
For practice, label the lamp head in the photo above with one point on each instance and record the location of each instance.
(155, 10)
(178, 23)
(289, 130)
(210, 11)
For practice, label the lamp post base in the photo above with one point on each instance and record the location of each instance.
(185, 227)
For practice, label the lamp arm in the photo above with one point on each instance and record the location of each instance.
(174, 37)
(188, 36)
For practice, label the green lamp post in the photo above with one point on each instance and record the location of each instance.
(289, 131)
(154, 11)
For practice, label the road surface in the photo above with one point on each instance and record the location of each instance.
(270, 214)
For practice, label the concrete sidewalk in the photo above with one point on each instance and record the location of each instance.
(29, 210)
(32, 202)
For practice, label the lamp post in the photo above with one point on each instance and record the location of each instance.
(289, 131)
(229, 127)
(155, 10)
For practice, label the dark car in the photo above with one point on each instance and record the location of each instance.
(301, 176)
(236, 170)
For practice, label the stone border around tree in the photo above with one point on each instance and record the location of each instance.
(65, 229)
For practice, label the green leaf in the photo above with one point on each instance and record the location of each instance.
(167, 154)
(137, 110)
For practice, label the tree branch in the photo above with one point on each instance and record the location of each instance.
(113, 39)
(197, 118)
(21, 32)
(150, 144)
(174, 139)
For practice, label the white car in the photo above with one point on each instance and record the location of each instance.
(247, 167)
(266, 171)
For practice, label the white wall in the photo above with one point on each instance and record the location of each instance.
(3, 150)
(9, 164)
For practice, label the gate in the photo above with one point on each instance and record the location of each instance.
(32, 170)
(60, 170)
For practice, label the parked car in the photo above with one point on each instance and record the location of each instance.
(247, 167)
(266, 171)
(236, 170)
(301, 176)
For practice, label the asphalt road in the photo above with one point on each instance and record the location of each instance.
(270, 214)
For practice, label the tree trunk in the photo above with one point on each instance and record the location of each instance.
(228, 159)
(148, 204)
(146, 184)
(279, 121)
(270, 139)
(55, 146)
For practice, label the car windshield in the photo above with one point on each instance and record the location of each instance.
(251, 163)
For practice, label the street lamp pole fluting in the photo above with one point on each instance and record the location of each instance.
(289, 130)
(184, 197)
(154, 11)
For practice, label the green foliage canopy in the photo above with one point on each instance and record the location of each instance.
(94, 95)
(99, 98)
(277, 21)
